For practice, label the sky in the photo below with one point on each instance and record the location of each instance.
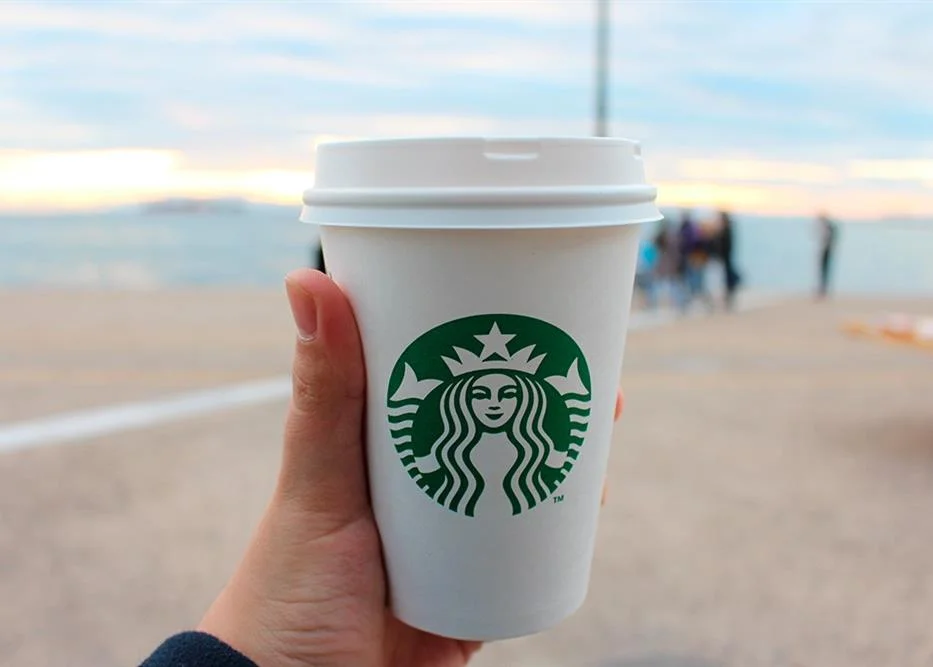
(779, 107)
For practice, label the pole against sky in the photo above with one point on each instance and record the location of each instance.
(602, 68)
(767, 107)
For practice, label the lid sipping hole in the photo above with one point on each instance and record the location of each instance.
(511, 149)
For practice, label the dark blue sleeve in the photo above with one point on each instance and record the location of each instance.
(196, 649)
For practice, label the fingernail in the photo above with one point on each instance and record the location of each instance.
(304, 310)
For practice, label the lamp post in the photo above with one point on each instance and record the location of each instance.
(601, 128)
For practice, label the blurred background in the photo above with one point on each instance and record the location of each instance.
(122, 122)
(152, 159)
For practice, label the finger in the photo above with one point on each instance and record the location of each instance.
(469, 648)
(620, 405)
(323, 462)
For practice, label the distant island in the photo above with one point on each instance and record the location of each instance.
(189, 206)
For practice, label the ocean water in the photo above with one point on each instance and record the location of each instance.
(147, 251)
(131, 250)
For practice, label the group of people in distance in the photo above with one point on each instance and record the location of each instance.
(677, 258)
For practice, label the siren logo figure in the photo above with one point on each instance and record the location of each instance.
(513, 386)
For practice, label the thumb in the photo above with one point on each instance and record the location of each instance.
(323, 474)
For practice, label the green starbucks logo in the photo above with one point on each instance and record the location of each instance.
(487, 405)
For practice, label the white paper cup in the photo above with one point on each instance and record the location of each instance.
(491, 281)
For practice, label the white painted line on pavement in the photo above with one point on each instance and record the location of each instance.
(83, 424)
(80, 425)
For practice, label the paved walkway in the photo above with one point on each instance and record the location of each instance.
(769, 499)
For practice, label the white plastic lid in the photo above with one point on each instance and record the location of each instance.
(475, 172)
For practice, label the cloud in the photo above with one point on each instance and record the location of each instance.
(759, 171)
(318, 70)
(383, 125)
(548, 12)
(228, 22)
(91, 179)
(893, 170)
(744, 94)
(851, 201)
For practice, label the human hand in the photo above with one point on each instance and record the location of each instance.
(310, 589)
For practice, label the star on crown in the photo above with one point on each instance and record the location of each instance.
(494, 355)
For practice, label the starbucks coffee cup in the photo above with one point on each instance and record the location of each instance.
(491, 281)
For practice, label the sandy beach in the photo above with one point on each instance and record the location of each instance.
(769, 500)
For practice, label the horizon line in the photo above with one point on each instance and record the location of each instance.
(139, 207)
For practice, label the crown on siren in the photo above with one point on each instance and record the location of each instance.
(494, 356)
